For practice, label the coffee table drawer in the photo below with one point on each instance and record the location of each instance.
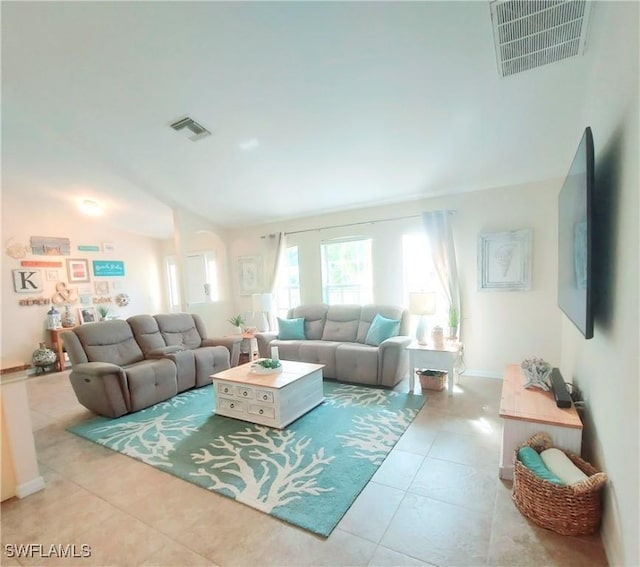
(265, 411)
(232, 405)
(223, 388)
(244, 393)
(264, 396)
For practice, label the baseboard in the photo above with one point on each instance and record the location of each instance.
(483, 374)
(27, 488)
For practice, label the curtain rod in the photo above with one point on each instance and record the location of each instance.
(350, 224)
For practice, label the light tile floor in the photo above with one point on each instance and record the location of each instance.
(436, 500)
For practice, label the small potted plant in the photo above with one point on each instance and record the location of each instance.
(103, 311)
(237, 321)
(454, 321)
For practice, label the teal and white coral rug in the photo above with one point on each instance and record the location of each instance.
(307, 474)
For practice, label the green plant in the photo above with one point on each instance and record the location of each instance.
(454, 317)
(268, 363)
(236, 321)
(103, 311)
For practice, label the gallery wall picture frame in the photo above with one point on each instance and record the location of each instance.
(102, 288)
(87, 315)
(27, 280)
(78, 270)
(52, 275)
(50, 246)
(505, 260)
(249, 274)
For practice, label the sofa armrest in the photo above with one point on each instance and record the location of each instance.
(394, 360)
(264, 339)
(163, 351)
(232, 344)
(101, 387)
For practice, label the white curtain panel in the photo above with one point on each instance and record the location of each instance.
(437, 225)
(278, 244)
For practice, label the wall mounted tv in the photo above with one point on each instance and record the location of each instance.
(575, 237)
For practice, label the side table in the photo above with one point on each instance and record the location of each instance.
(433, 358)
(249, 345)
(57, 345)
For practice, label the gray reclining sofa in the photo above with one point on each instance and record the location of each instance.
(336, 336)
(120, 366)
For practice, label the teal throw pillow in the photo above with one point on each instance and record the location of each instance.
(530, 458)
(291, 329)
(381, 329)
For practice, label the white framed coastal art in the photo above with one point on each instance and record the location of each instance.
(505, 260)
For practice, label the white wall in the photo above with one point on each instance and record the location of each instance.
(498, 327)
(23, 327)
(606, 367)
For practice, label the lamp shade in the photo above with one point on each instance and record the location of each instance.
(262, 302)
(422, 302)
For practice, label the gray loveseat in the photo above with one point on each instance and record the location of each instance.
(335, 336)
(125, 366)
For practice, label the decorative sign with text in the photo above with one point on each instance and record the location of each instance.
(27, 281)
(108, 268)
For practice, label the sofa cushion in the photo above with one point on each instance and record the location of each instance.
(291, 329)
(109, 341)
(287, 350)
(381, 329)
(146, 332)
(342, 323)
(357, 363)
(150, 382)
(320, 352)
(314, 318)
(179, 329)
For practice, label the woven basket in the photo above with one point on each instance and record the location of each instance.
(568, 510)
(432, 379)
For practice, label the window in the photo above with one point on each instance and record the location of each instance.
(288, 292)
(347, 273)
(419, 271)
(172, 284)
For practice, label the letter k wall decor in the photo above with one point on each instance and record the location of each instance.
(27, 281)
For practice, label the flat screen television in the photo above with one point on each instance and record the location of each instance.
(575, 238)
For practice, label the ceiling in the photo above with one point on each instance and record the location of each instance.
(352, 104)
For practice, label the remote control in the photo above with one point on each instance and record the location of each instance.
(563, 399)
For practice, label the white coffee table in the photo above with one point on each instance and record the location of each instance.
(269, 399)
(433, 358)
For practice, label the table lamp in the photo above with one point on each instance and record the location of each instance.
(263, 304)
(422, 303)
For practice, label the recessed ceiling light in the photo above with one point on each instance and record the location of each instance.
(248, 145)
(91, 208)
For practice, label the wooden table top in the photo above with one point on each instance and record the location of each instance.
(533, 404)
(291, 371)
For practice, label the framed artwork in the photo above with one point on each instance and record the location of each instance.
(88, 315)
(85, 299)
(504, 260)
(102, 288)
(78, 270)
(27, 281)
(52, 275)
(50, 246)
(249, 274)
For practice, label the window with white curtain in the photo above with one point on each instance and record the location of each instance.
(419, 271)
(347, 271)
(288, 283)
(173, 286)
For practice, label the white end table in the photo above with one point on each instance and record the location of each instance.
(433, 358)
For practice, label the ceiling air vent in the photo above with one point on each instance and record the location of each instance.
(532, 33)
(190, 128)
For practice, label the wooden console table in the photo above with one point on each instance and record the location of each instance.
(526, 411)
